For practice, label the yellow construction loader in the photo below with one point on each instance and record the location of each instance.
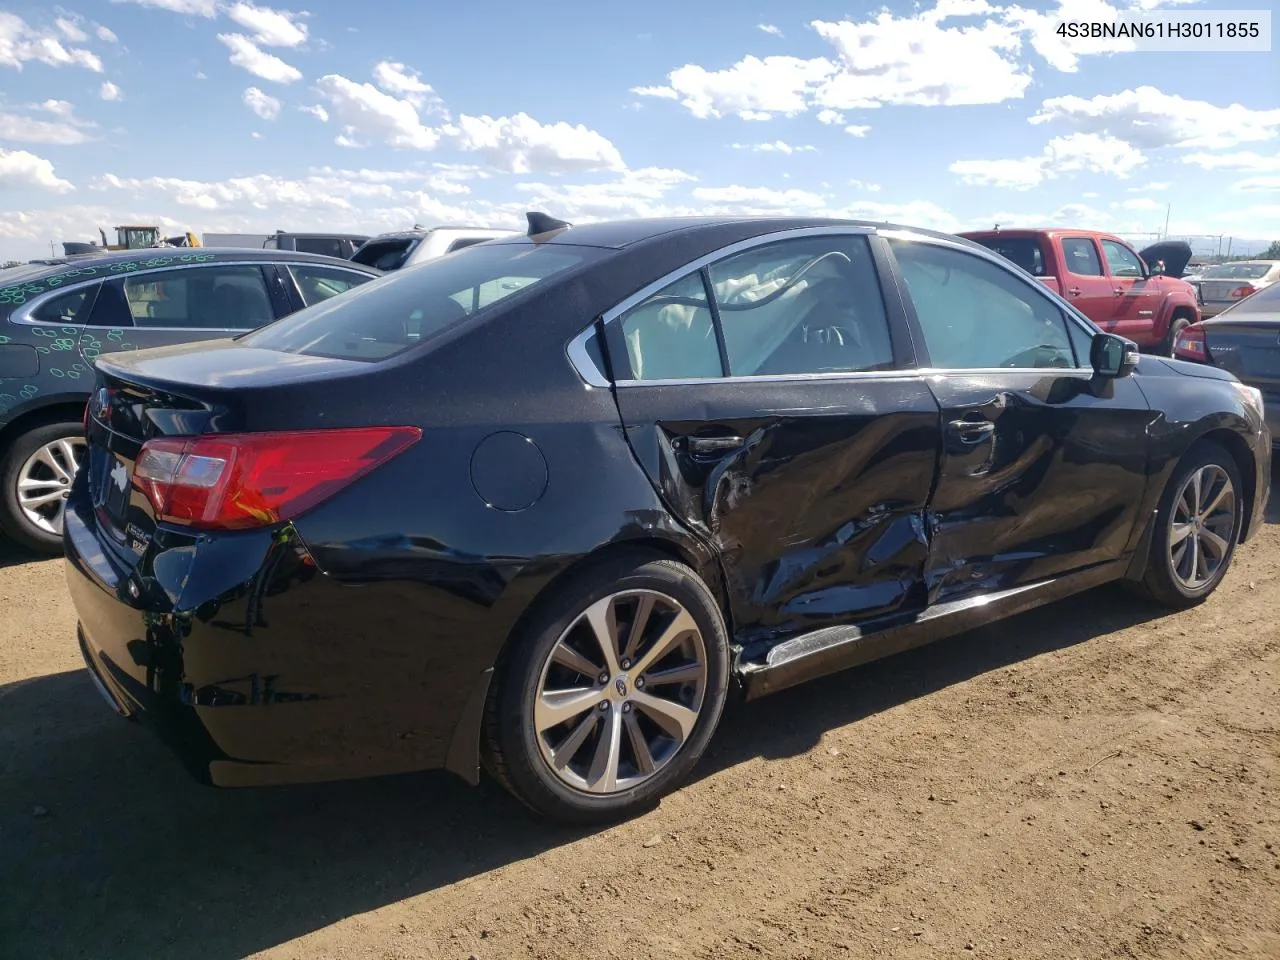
(134, 237)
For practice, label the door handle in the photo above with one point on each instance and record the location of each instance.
(1073, 291)
(713, 445)
(970, 432)
(1119, 291)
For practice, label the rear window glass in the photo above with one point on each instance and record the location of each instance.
(1023, 251)
(1237, 271)
(386, 254)
(392, 314)
(1266, 300)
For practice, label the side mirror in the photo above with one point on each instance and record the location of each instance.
(1158, 269)
(1113, 356)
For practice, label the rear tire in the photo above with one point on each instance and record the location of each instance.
(1197, 528)
(580, 740)
(43, 461)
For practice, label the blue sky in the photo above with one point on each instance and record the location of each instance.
(218, 115)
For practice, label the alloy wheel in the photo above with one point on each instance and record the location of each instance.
(1201, 525)
(620, 692)
(44, 483)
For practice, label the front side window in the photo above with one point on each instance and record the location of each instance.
(1122, 261)
(220, 297)
(379, 320)
(809, 305)
(1081, 257)
(317, 283)
(975, 315)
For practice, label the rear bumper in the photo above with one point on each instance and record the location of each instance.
(278, 676)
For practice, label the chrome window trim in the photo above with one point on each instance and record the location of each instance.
(593, 376)
(22, 314)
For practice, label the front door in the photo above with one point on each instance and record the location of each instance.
(770, 399)
(1137, 295)
(199, 301)
(1043, 465)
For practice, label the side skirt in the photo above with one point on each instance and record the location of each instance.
(833, 649)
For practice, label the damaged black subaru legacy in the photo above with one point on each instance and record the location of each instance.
(539, 506)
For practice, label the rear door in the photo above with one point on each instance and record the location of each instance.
(204, 301)
(769, 392)
(1042, 468)
(1084, 281)
(1136, 297)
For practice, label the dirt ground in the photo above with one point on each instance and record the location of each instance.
(1094, 779)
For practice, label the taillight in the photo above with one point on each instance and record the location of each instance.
(234, 481)
(1191, 344)
(1242, 291)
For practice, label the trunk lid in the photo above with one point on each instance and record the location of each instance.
(1250, 349)
(185, 390)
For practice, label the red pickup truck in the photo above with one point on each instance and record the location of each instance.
(1105, 279)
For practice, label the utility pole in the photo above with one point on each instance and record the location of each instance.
(1168, 210)
(1229, 239)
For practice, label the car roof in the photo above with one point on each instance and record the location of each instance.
(619, 234)
(164, 256)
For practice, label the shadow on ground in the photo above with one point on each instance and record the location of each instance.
(12, 555)
(109, 850)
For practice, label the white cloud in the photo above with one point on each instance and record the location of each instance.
(770, 29)
(20, 43)
(363, 109)
(109, 91)
(1246, 160)
(520, 144)
(634, 193)
(1258, 184)
(830, 117)
(59, 108)
(1149, 118)
(1062, 53)
(777, 146)
(191, 8)
(1141, 203)
(761, 200)
(106, 35)
(857, 130)
(266, 107)
(71, 29)
(863, 185)
(317, 111)
(404, 82)
(246, 54)
(22, 129)
(1079, 151)
(753, 89)
(20, 169)
(271, 28)
(917, 60)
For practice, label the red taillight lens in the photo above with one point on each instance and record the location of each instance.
(1191, 344)
(234, 481)
(1242, 291)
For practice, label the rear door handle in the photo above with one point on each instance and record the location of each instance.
(1073, 291)
(1119, 291)
(712, 445)
(970, 432)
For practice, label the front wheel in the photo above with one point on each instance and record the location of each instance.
(1176, 326)
(1197, 527)
(611, 693)
(36, 473)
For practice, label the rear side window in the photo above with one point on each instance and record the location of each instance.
(230, 297)
(379, 320)
(1081, 257)
(328, 246)
(1026, 252)
(317, 283)
(69, 308)
(671, 336)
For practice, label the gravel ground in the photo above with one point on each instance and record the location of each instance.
(1094, 779)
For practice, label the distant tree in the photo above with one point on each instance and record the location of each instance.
(1272, 252)
(10, 263)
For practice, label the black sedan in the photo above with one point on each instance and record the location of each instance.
(1245, 340)
(58, 316)
(541, 504)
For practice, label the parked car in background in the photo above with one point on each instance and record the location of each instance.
(391, 251)
(544, 501)
(1105, 279)
(340, 245)
(57, 317)
(1243, 339)
(1225, 284)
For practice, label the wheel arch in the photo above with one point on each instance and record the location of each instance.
(54, 409)
(1239, 450)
